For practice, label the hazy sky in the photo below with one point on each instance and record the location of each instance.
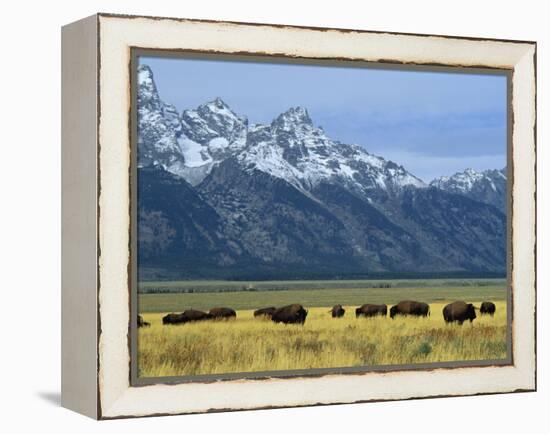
(432, 123)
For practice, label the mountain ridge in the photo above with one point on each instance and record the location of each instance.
(290, 147)
(221, 197)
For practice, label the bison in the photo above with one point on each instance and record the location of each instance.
(488, 308)
(337, 311)
(192, 315)
(459, 311)
(368, 310)
(291, 314)
(222, 313)
(414, 308)
(189, 315)
(141, 322)
(265, 312)
(172, 318)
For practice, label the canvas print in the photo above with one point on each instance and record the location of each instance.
(307, 216)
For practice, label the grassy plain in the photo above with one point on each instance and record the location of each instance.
(314, 294)
(158, 286)
(248, 344)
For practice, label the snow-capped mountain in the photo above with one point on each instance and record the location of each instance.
(159, 126)
(488, 186)
(291, 147)
(220, 197)
(215, 126)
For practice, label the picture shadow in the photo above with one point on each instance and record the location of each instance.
(52, 398)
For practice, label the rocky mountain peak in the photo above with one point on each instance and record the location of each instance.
(460, 181)
(294, 116)
(159, 128)
(216, 107)
(218, 103)
(214, 120)
(147, 90)
(488, 186)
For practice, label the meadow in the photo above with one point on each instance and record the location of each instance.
(190, 286)
(177, 296)
(248, 344)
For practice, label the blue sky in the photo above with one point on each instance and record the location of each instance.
(433, 123)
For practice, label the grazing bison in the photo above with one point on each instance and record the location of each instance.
(190, 315)
(291, 314)
(337, 311)
(414, 308)
(265, 312)
(368, 310)
(459, 311)
(222, 313)
(141, 323)
(488, 308)
(172, 318)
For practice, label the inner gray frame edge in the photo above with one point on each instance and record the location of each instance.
(136, 381)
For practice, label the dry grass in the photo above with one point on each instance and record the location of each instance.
(251, 345)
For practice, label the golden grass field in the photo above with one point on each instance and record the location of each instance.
(248, 344)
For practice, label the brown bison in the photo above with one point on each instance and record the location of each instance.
(291, 314)
(172, 318)
(368, 310)
(141, 322)
(189, 315)
(413, 308)
(265, 312)
(488, 308)
(337, 311)
(222, 313)
(192, 315)
(459, 311)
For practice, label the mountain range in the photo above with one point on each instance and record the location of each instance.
(219, 197)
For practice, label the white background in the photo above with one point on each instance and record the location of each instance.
(30, 216)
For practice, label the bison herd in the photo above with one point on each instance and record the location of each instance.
(291, 314)
(192, 315)
(458, 312)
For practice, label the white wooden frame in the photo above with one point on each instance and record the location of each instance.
(96, 217)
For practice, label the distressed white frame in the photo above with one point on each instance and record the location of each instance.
(115, 396)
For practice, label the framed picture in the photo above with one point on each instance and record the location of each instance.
(263, 216)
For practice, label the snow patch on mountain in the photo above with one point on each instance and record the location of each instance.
(269, 159)
(193, 152)
(218, 143)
